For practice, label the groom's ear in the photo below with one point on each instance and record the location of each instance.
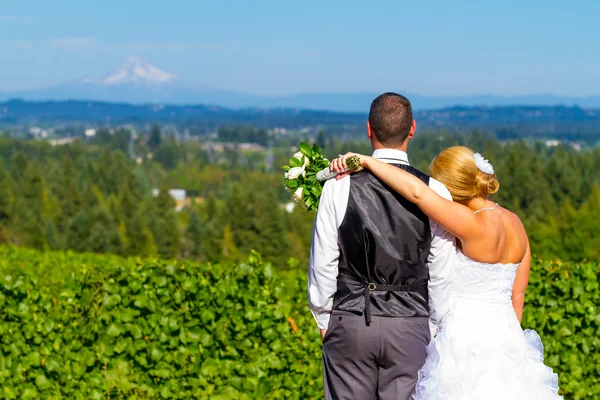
(369, 130)
(413, 129)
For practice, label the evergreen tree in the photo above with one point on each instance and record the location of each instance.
(92, 196)
(51, 234)
(321, 141)
(120, 140)
(268, 220)
(78, 231)
(165, 225)
(94, 231)
(139, 239)
(155, 137)
(256, 222)
(113, 170)
(589, 217)
(229, 250)
(212, 242)
(105, 236)
(69, 197)
(168, 154)
(18, 166)
(34, 197)
(113, 208)
(7, 197)
(194, 233)
(238, 213)
(131, 196)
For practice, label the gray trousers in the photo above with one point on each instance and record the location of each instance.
(375, 362)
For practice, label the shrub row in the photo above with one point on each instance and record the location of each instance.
(114, 328)
(83, 326)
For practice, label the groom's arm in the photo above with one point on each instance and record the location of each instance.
(324, 254)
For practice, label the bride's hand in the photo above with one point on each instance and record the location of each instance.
(339, 164)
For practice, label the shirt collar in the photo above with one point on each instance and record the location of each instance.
(391, 156)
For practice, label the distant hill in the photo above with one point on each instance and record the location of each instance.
(19, 112)
(505, 122)
(138, 82)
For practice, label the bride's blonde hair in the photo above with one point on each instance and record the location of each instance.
(455, 167)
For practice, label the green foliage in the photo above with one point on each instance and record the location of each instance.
(195, 233)
(168, 154)
(164, 225)
(77, 326)
(155, 137)
(551, 189)
(562, 305)
(85, 326)
(243, 134)
(6, 197)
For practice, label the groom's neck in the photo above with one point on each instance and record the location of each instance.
(379, 146)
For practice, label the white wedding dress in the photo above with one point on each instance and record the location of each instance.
(480, 351)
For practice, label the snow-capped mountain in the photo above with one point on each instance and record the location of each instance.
(135, 70)
(139, 82)
(135, 81)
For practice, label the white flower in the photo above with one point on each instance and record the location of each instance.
(298, 195)
(298, 155)
(295, 172)
(483, 164)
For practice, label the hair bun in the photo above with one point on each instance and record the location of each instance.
(486, 184)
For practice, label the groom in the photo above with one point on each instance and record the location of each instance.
(378, 271)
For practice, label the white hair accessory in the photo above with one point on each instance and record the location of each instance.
(483, 164)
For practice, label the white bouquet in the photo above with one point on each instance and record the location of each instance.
(307, 171)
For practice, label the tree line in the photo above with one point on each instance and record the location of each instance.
(96, 195)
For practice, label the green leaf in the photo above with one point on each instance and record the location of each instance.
(305, 149)
(9, 393)
(291, 183)
(114, 330)
(42, 382)
(135, 331)
(563, 332)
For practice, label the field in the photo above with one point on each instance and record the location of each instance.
(81, 326)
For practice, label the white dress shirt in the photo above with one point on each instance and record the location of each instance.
(323, 268)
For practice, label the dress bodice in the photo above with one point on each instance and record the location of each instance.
(476, 279)
(480, 350)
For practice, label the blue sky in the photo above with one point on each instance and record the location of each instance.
(278, 47)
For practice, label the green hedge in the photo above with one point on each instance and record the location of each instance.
(98, 327)
(563, 305)
(83, 326)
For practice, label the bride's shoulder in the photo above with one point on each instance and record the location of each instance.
(513, 218)
(515, 230)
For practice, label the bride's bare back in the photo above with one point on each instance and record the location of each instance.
(503, 238)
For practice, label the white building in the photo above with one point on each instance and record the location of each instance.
(179, 195)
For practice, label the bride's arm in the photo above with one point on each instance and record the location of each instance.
(520, 285)
(454, 217)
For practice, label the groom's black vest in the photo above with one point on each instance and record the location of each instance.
(384, 243)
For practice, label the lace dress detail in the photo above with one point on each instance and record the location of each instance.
(480, 351)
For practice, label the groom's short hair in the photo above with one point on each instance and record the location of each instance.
(391, 119)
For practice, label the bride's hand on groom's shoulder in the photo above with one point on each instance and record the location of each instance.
(347, 164)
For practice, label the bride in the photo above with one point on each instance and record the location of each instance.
(480, 351)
